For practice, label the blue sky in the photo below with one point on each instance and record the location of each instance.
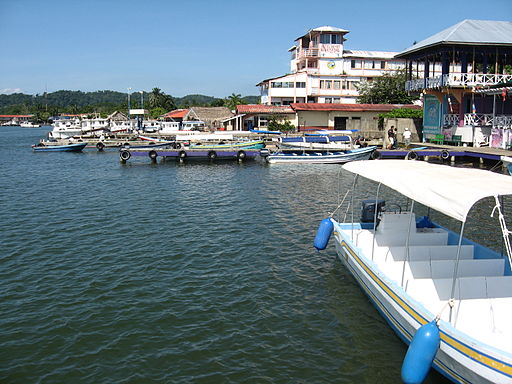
(211, 47)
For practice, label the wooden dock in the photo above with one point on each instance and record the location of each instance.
(445, 152)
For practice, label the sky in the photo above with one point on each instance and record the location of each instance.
(209, 47)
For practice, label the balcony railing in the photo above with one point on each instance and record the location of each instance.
(308, 52)
(479, 119)
(456, 80)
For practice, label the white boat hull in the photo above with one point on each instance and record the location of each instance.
(460, 358)
(322, 158)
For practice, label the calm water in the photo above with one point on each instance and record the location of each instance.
(169, 273)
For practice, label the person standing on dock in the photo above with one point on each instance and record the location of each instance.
(407, 137)
(391, 137)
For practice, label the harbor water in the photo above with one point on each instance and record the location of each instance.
(176, 273)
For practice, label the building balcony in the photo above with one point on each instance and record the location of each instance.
(456, 80)
(480, 120)
(307, 52)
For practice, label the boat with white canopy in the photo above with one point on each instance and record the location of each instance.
(446, 296)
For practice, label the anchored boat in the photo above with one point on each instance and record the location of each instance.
(447, 297)
(322, 157)
(49, 147)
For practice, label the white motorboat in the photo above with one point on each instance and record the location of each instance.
(65, 128)
(29, 124)
(445, 295)
(325, 157)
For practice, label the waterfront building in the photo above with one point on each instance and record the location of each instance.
(465, 75)
(323, 71)
(257, 116)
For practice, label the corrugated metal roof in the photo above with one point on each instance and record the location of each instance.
(259, 108)
(325, 28)
(350, 107)
(476, 32)
(369, 54)
(177, 113)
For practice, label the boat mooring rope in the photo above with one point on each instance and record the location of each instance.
(505, 232)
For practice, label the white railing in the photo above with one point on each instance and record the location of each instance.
(456, 80)
(503, 121)
(308, 52)
(451, 119)
(479, 119)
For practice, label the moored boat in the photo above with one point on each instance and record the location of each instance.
(445, 295)
(322, 157)
(249, 144)
(49, 147)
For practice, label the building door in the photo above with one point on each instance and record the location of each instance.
(340, 122)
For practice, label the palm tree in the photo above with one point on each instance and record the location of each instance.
(233, 100)
(155, 98)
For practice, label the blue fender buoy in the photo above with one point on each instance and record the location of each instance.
(421, 353)
(323, 234)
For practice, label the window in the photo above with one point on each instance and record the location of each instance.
(336, 84)
(328, 100)
(329, 38)
(382, 65)
(355, 64)
(300, 84)
(336, 100)
(277, 84)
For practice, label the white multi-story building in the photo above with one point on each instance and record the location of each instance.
(322, 71)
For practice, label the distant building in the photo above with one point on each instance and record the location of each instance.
(212, 116)
(322, 71)
(465, 75)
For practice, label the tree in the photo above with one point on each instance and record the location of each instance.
(155, 98)
(280, 123)
(232, 101)
(388, 89)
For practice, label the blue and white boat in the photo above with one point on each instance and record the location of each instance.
(248, 144)
(321, 157)
(48, 147)
(448, 297)
(320, 141)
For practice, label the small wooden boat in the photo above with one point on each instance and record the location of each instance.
(48, 147)
(322, 157)
(446, 296)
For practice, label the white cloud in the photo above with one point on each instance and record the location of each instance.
(8, 91)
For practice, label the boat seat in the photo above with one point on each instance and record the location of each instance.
(434, 252)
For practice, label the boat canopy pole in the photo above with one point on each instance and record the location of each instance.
(406, 260)
(456, 269)
(352, 205)
(375, 219)
(505, 232)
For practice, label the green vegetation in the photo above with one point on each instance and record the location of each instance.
(388, 89)
(280, 123)
(400, 113)
(45, 105)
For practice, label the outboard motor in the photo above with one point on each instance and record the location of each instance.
(368, 210)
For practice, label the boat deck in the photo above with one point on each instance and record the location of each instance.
(483, 293)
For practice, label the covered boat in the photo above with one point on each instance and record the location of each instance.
(446, 296)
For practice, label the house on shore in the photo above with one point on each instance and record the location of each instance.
(323, 71)
(465, 75)
(212, 116)
(315, 116)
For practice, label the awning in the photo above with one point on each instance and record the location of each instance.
(450, 190)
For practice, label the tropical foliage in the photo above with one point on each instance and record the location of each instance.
(105, 102)
(387, 89)
(280, 123)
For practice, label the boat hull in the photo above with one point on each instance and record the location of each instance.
(322, 158)
(60, 148)
(459, 358)
(255, 144)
